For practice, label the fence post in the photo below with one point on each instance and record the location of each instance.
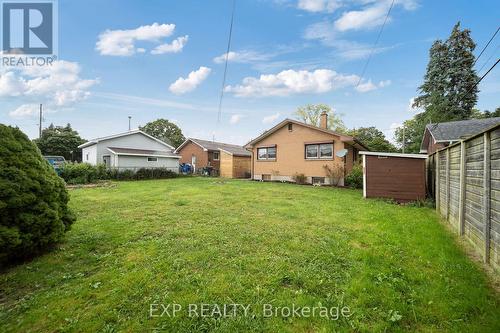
(438, 193)
(447, 184)
(487, 195)
(461, 203)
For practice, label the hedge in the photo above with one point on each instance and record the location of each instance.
(84, 173)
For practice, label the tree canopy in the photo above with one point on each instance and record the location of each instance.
(449, 91)
(310, 114)
(60, 141)
(164, 130)
(373, 139)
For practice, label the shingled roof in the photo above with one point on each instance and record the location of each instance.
(213, 145)
(456, 130)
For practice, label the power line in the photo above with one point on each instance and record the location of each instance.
(225, 63)
(484, 48)
(488, 60)
(375, 44)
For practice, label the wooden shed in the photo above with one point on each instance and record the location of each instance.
(391, 175)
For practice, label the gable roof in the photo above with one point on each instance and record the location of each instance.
(344, 138)
(97, 140)
(456, 130)
(213, 145)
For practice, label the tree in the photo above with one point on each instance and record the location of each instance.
(310, 114)
(34, 211)
(373, 139)
(60, 141)
(165, 131)
(449, 91)
(413, 132)
(486, 114)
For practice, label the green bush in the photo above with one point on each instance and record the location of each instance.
(355, 178)
(79, 173)
(300, 178)
(84, 173)
(34, 211)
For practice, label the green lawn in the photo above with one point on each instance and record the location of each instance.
(199, 240)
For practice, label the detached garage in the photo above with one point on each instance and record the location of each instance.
(397, 176)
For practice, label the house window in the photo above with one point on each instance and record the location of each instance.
(318, 180)
(267, 153)
(290, 127)
(86, 157)
(216, 155)
(152, 159)
(318, 151)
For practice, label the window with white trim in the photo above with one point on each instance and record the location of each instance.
(152, 159)
(266, 153)
(319, 151)
(216, 155)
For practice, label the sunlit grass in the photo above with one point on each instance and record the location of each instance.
(199, 240)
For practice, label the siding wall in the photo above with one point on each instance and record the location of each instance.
(399, 178)
(467, 191)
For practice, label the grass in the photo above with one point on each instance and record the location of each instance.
(199, 240)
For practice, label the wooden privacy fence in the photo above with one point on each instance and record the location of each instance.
(464, 179)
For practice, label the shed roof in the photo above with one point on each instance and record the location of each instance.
(374, 153)
(213, 145)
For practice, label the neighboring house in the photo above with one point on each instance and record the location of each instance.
(440, 135)
(131, 150)
(293, 147)
(230, 161)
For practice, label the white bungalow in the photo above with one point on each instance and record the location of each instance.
(131, 150)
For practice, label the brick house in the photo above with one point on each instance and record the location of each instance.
(292, 147)
(230, 161)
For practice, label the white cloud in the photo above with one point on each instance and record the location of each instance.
(244, 56)
(58, 85)
(369, 86)
(390, 133)
(176, 46)
(371, 16)
(316, 6)
(326, 34)
(235, 118)
(368, 17)
(194, 79)
(290, 82)
(25, 110)
(122, 42)
(270, 119)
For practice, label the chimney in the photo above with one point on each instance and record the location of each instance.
(323, 122)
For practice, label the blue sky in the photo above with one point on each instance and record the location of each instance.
(121, 58)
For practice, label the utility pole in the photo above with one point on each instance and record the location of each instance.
(404, 139)
(40, 123)
(129, 118)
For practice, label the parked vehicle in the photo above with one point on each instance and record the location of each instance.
(57, 162)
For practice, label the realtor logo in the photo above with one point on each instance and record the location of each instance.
(29, 28)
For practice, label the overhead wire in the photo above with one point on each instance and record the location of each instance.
(375, 44)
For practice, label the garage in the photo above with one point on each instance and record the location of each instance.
(396, 176)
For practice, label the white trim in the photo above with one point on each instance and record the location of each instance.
(364, 176)
(95, 141)
(148, 155)
(373, 153)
